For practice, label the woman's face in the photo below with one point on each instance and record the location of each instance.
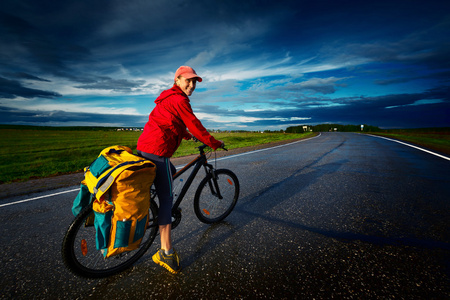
(186, 85)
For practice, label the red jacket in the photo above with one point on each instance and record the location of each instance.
(166, 126)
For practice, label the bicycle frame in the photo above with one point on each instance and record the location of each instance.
(197, 163)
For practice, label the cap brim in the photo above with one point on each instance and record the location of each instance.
(190, 76)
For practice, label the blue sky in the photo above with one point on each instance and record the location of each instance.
(265, 64)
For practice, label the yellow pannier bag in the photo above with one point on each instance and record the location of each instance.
(120, 183)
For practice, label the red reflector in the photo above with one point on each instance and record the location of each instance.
(84, 247)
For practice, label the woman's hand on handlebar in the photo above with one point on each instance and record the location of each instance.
(223, 145)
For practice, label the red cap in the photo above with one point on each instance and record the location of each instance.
(187, 72)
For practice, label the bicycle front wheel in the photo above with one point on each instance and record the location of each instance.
(216, 197)
(81, 256)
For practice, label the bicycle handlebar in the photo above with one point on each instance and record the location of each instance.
(202, 147)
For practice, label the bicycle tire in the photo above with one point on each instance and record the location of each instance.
(207, 206)
(91, 263)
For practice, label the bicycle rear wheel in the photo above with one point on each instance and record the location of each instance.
(214, 202)
(81, 256)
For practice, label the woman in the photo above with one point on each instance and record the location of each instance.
(162, 135)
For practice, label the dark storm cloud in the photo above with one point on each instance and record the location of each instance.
(22, 75)
(62, 118)
(443, 77)
(316, 85)
(27, 49)
(12, 88)
(389, 111)
(107, 83)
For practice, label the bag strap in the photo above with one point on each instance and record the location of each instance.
(104, 182)
(112, 150)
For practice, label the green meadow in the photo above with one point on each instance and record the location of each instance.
(35, 152)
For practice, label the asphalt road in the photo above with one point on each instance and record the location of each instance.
(341, 215)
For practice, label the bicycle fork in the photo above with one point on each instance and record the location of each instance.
(213, 185)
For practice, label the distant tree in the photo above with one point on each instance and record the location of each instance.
(294, 129)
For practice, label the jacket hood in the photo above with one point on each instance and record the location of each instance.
(175, 90)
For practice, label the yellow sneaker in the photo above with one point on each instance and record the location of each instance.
(171, 262)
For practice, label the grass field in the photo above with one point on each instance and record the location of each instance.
(434, 140)
(34, 153)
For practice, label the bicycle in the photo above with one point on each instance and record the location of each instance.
(215, 198)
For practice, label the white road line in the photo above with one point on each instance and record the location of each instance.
(412, 146)
(222, 158)
(265, 149)
(40, 197)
